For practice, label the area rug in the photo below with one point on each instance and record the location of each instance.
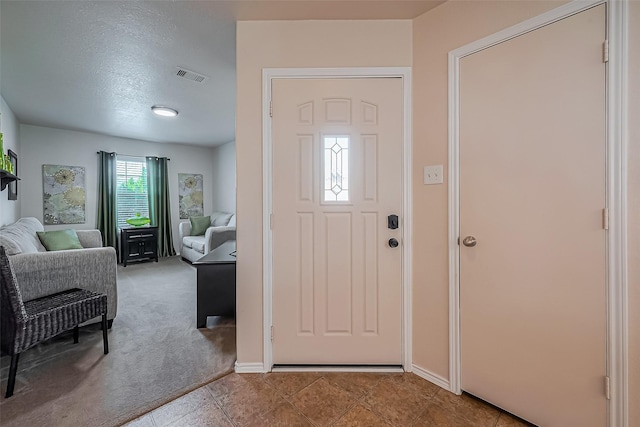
(156, 354)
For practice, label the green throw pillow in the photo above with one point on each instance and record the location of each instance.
(59, 240)
(199, 224)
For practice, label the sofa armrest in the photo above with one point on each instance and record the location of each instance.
(45, 273)
(184, 229)
(90, 238)
(215, 236)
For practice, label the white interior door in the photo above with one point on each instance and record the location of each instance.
(532, 193)
(337, 176)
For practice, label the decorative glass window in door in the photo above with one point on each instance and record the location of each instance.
(336, 168)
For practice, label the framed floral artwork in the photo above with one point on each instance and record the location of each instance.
(64, 194)
(190, 196)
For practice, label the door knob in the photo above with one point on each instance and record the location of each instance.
(393, 243)
(470, 241)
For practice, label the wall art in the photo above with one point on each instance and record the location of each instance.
(190, 195)
(64, 194)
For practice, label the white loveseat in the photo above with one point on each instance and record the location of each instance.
(223, 228)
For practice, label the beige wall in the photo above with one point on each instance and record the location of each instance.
(388, 43)
(278, 44)
(445, 28)
(633, 216)
(224, 177)
(435, 33)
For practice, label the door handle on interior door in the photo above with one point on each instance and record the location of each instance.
(470, 241)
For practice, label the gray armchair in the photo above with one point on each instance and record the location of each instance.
(42, 273)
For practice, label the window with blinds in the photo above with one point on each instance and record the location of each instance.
(131, 191)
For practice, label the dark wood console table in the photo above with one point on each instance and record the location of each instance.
(138, 244)
(216, 293)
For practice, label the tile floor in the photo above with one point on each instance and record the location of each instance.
(324, 399)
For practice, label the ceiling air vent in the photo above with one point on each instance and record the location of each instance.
(190, 75)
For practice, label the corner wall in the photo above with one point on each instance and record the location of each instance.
(445, 28)
(10, 128)
(224, 178)
(633, 212)
(42, 145)
(276, 44)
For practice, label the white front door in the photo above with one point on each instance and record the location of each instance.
(532, 193)
(337, 177)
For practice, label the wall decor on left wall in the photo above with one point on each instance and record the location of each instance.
(64, 194)
(12, 193)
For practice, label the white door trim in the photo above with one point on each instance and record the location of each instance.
(617, 321)
(268, 74)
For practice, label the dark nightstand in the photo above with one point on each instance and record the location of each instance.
(138, 244)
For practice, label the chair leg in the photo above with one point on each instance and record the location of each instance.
(12, 375)
(76, 331)
(105, 339)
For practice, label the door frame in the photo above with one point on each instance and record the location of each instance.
(268, 75)
(616, 188)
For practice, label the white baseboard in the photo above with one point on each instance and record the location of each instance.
(431, 377)
(325, 368)
(249, 368)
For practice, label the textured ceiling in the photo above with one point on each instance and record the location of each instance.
(99, 66)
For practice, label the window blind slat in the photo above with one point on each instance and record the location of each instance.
(131, 190)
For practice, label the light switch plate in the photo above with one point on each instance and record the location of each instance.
(433, 175)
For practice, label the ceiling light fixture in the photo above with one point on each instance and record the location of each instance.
(164, 111)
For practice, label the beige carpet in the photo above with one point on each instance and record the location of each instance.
(156, 354)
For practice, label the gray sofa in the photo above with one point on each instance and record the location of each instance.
(223, 228)
(41, 273)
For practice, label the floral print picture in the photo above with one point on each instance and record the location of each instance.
(190, 195)
(64, 194)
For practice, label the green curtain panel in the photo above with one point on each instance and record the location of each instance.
(159, 206)
(107, 222)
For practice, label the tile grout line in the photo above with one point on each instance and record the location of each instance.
(426, 408)
(357, 401)
(224, 411)
(183, 416)
(218, 403)
(348, 408)
(293, 404)
(286, 399)
(150, 412)
(372, 408)
(428, 401)
(322, 376)
(262, 379)
(365, 394)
